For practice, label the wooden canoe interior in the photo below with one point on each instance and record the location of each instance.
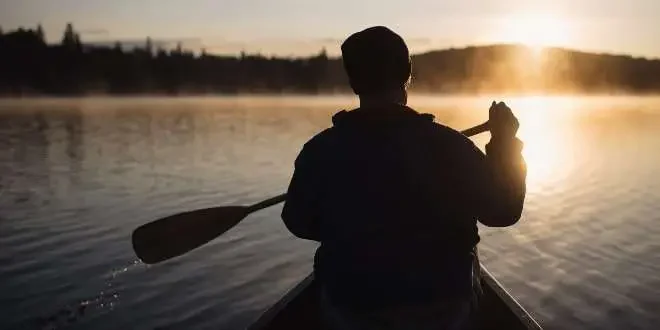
(298, 309)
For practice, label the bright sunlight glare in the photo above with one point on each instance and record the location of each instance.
(545, 144)
(534, 30)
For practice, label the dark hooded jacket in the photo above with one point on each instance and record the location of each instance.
(394, 198)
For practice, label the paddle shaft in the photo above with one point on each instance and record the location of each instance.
(281, 198)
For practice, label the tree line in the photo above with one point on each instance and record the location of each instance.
(30, 66)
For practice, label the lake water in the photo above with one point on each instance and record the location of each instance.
(77, 176)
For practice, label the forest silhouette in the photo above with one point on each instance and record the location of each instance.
(31, 67)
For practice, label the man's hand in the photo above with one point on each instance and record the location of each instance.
(502, 122)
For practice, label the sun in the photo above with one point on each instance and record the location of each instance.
(535, 30)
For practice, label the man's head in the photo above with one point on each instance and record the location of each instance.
(376, 61)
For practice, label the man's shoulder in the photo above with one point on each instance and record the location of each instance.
(448, 135)
(437, 129)
(321, 139)
(316, 146)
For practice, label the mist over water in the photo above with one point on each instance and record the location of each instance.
(78, 175)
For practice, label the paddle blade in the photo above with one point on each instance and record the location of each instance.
(175, 235)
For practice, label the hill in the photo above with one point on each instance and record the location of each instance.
(32, 67)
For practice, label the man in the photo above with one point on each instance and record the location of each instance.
(394, 199)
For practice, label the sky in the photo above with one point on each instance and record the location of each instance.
(303, 27)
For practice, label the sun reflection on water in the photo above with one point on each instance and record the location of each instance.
(547, 147)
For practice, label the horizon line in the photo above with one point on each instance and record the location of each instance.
(135, 43)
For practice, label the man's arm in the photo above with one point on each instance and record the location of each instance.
(300, 212)
(496, 180)
(499, 185)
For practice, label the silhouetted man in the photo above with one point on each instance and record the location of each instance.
(394, 199)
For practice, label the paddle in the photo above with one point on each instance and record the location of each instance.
(178, 234)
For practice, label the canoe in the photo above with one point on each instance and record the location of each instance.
(298, 309)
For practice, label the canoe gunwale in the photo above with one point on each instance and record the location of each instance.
(515, 307)
(271, 313)
(489, 284)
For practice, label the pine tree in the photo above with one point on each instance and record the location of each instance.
(77, 42)
(69, 38)
(149, 47)
(161, 52)
(40, 33)
(323, 54)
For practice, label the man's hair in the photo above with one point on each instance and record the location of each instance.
(376, 60)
